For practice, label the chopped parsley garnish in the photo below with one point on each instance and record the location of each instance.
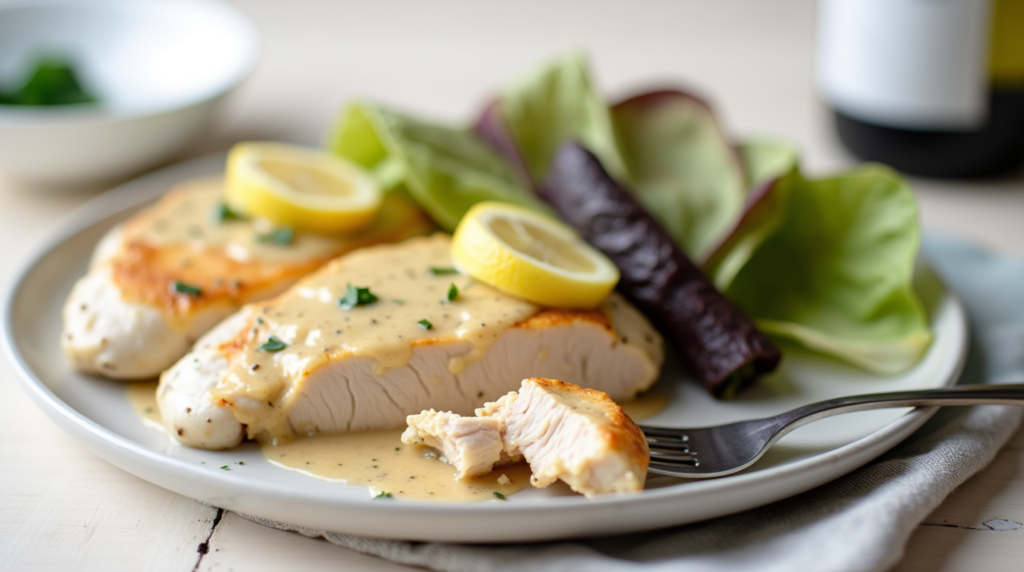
(225, 467)
(223, 212)
(179, 287)
(280, 236)
(425, 324)
(383, 495)
(273, 345)
(499, 495)
(356, 296)
(453, 292)
(241, 462)
(438, 271)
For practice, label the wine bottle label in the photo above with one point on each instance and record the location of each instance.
(907, 64)
(1006, 48)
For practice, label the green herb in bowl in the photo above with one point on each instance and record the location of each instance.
(53, 82)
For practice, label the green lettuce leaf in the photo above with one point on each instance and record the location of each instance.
(664, 146)
(445, 169)
(554, 104)
(764, 162)
(681, 167)
(765, 159)
(835, 272)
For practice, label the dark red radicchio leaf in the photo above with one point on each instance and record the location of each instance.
(718, 342)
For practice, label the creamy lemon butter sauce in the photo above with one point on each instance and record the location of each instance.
(411, 308)
(187, 217)
(142, 397)
(379, 460)
(644, 406)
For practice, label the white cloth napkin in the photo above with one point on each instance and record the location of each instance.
(860, 522)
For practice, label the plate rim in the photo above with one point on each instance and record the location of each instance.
(126, 454)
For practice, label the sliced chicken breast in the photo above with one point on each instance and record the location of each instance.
(306, 363)
(167, 275)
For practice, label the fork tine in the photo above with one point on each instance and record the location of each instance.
(664, 432)
(672, 468)
(672, 457)
(668, 445)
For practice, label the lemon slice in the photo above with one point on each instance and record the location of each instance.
(304, 188)
(531, 256)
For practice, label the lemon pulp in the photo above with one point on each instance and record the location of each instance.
(304, 188)
(532, 257)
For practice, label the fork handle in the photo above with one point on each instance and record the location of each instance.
(958, 395)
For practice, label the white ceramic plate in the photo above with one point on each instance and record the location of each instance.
(97, 412)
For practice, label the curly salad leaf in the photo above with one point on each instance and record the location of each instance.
(828, 262)
(445, 169)
(835, 271)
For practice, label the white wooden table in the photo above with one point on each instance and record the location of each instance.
(62, 508)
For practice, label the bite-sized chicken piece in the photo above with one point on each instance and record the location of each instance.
(470, 444)
(562, 430)
(384, 333)
(571, 433)
(166, 276)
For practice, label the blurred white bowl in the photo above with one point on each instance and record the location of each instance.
(158, 67)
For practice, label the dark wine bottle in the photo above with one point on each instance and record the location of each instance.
(930, 88)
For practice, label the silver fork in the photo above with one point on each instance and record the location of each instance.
(724, 449)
